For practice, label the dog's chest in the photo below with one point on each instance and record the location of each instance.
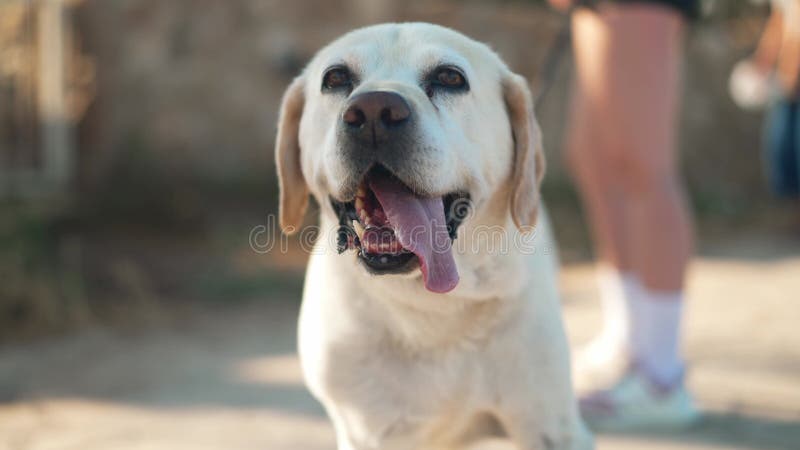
(420, 402)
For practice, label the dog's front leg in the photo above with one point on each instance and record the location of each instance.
(352, 433)
(539, 410)
(358, 431)
(528, 433)
(344, 439)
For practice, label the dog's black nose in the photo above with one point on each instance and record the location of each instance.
(376, 109)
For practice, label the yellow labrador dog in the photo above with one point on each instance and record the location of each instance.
(430, 315)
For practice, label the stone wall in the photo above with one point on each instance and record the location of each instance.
(196, 83)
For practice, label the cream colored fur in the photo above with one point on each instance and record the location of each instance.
(397, 366)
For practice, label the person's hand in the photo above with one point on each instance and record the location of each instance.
(562, 5)
(751, 84)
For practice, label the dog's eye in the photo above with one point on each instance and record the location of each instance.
(336, 77)
(450, 78)
(446, 78)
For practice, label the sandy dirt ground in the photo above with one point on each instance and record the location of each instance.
(230, 379)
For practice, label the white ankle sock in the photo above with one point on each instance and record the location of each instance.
(639, 324)
(654, 339)
(617, 289)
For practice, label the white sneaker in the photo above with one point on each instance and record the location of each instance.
(635, 402)
(598, 364)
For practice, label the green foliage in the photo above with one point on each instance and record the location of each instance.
(42, 283)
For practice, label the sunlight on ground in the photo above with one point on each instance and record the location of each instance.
(276, 370)
(82, 424)
(232, 381)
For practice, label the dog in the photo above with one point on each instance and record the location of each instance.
(430, 315)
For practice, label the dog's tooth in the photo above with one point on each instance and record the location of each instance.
(359, 229)
(359, 203)
(361, 192)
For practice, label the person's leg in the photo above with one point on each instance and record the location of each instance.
(594, 169)
(796, 147)
(637, 90)
(628, 60)
(794, 143)
(643, 92)
(781, 152)
(778, 148)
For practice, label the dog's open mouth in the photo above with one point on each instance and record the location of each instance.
(395, 230)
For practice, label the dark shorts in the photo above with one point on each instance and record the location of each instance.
(782, 148)
(689, 8)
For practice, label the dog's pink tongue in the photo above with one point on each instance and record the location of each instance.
(420, 226)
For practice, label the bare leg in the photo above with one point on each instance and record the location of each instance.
(622, 152)
(623, 142)
(596, 176)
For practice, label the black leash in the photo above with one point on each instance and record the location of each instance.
(557, 50)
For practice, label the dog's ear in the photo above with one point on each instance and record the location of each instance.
(528, 160)
(293, 188)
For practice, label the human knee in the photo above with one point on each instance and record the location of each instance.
(589, 164)
(641, 172)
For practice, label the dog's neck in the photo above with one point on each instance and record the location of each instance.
(491, 276)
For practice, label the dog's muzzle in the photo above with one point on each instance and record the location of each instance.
(377, 128)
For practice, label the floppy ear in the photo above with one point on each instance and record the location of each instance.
(528, 155)
(293, 188)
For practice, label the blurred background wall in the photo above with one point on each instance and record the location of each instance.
(167, 113)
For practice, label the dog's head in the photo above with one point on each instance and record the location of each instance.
(395, 128)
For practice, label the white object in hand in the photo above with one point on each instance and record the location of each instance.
(749, 86)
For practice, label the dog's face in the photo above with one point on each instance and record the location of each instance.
(393, 128)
